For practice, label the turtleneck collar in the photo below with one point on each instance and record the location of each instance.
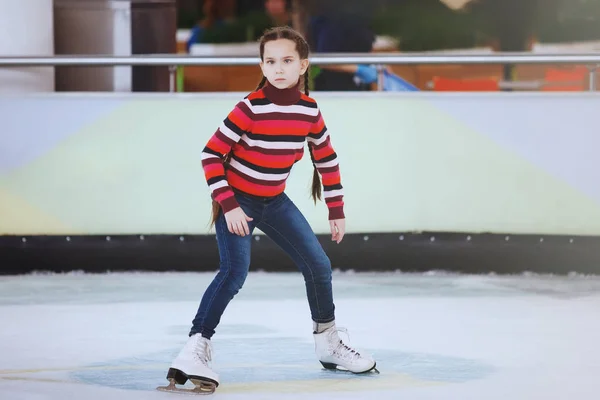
(282, 97)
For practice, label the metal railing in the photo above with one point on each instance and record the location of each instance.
(591, 60)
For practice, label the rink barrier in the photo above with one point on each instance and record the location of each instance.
(82, 164)
(78, 168)
(591, 60)
(370, 252)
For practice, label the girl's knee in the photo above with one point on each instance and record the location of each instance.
(234, 272)
(320, 269)
(233, 279)
(237, 281)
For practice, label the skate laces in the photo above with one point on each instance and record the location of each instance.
(203, 350)
(339, 347)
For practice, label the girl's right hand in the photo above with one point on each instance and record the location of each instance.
(237, 221)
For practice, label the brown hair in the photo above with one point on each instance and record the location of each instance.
(282, 32)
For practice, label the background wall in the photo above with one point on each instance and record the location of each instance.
(27, 30)
(501, 182)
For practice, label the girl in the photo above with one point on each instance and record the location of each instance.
(246, 164)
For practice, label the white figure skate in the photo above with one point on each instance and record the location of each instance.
(193, 363)
(333, 353)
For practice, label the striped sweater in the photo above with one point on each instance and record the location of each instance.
(265, 135)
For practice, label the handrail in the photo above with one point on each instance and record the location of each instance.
(592, 60)
(321, 59)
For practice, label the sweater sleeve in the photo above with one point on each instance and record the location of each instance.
(326, 161)
(229, 133)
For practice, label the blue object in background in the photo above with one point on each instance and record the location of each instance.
(394, 83)
(366, 73)
(196, 35)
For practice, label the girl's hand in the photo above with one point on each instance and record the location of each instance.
(338, 229)
(237, 221)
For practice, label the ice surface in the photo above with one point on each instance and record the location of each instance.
(434, 335)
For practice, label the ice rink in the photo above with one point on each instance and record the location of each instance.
(434, 335)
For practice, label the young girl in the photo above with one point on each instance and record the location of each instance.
(246, 164)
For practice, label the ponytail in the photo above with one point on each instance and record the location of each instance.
(316, 181)
(216, 207)
(262, 83)
(214, 214)
(306, 82)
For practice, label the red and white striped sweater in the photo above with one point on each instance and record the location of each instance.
(265, 134)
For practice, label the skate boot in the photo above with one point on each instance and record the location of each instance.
(334, 353)
(193, 363)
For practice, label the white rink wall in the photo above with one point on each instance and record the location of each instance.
(130, 164)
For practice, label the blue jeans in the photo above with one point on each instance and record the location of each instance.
(279, 218)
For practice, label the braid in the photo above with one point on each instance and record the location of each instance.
(316, 182)
(306, 82)
(262, 83)
(316, 189)
(216, 207)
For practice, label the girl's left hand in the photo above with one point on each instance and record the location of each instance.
(338, 229)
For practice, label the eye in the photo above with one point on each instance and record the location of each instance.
(270, 62)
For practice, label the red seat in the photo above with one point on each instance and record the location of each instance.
(465, 85)
(568, 79)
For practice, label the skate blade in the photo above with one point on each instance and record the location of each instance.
(201, 388)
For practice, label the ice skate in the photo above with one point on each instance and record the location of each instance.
(334, 353)
(192, 364)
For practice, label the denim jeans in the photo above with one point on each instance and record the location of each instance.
(279, 218)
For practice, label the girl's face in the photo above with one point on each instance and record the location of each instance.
(281, 63)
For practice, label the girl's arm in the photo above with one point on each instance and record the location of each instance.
(326, 161)
(229, 132)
